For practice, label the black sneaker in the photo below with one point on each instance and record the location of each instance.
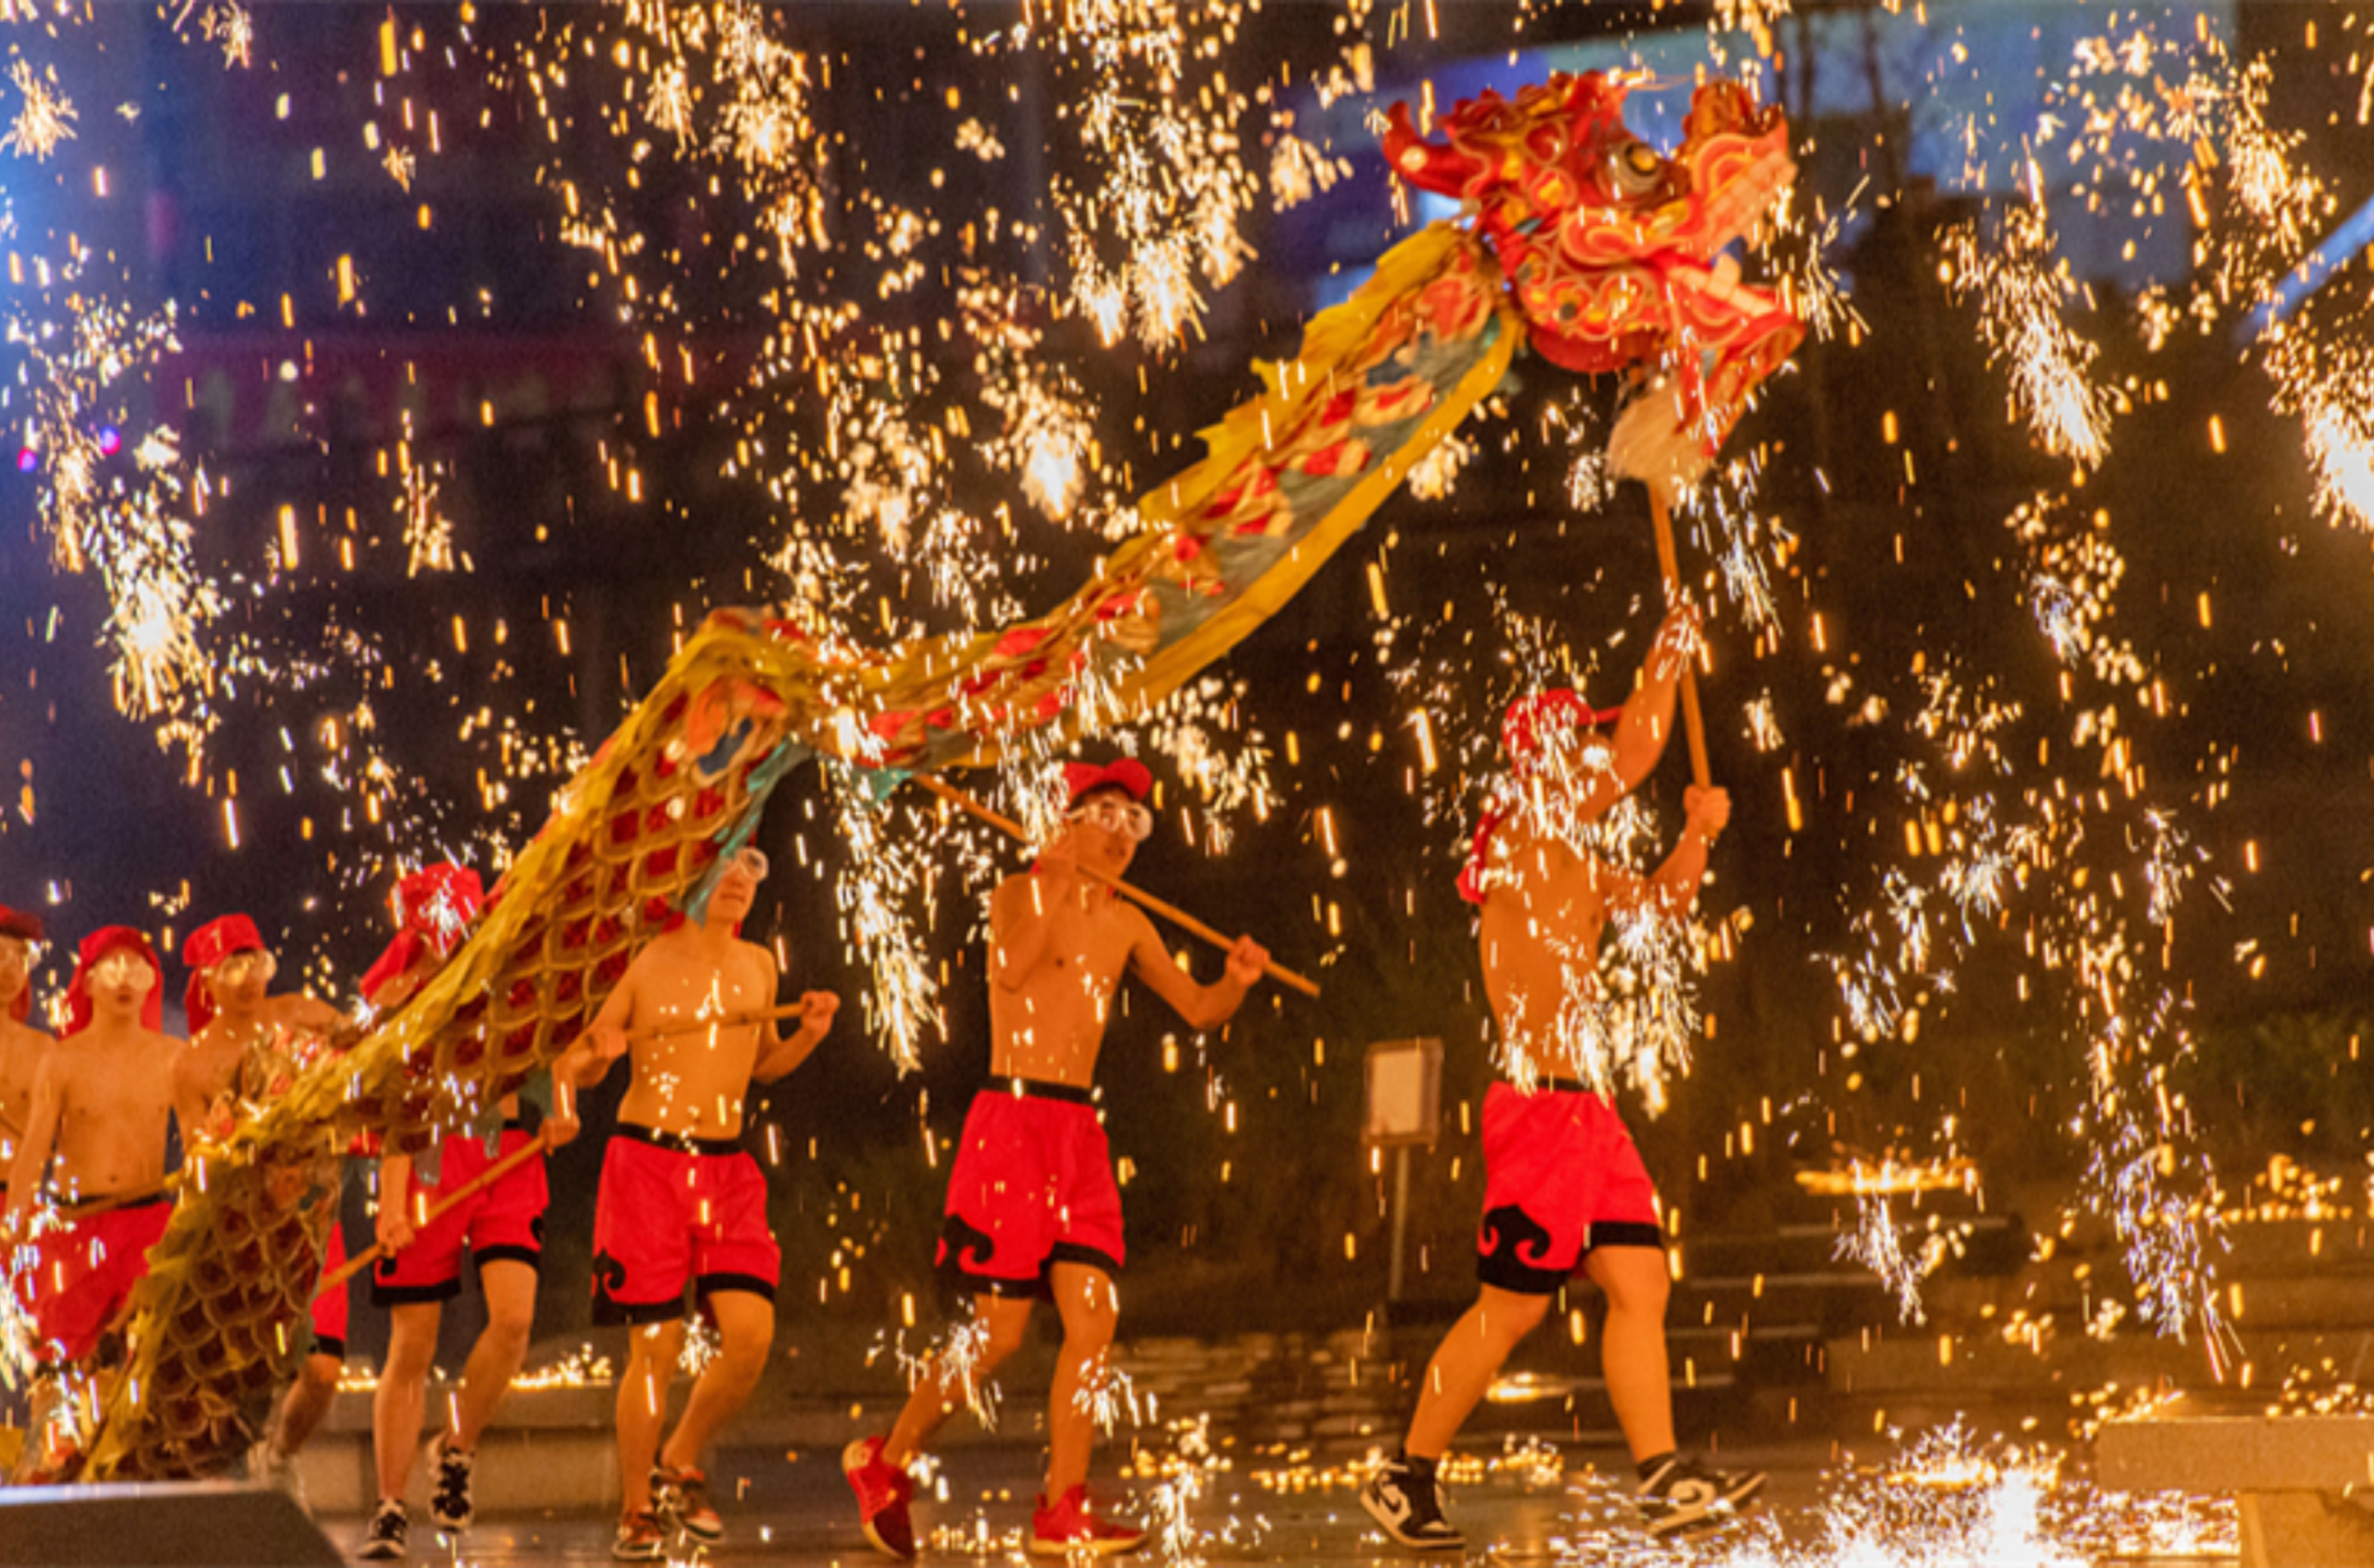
(681, 1497)
(1683, 1494)
(1406, 1503)
(448, 1492)
(383, 1540)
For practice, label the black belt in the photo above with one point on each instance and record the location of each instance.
(1040, 1089)
(683, 1142)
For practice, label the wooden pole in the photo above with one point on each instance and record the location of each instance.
(1177, 917)
(1666, 560)
(482, 1180)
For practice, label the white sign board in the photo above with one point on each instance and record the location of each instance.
(1404, 1092)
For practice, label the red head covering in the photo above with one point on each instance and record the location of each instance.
(96, 946)
(208, 946)
(434, 908)
(1532, 725)
(24, 928)
(1130, 774)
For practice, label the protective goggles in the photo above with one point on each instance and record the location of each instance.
(18, 956)
(124, 969)
(750, 862)
(1128, 818)
(252, 964)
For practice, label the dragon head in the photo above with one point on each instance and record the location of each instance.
(1614, 250)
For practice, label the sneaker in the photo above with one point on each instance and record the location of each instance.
(681, 1497)
(1070, 1527)
(268, 1465)
(1406, 1503)
(639, 1538)
(383, 1540)
(884, 1491)
(1683, 1494)
(449, 1489)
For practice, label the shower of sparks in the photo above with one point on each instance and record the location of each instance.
(881, 875)
(43, 121)
(2022, 292)
(1877, 1243)
(2074, 573)
(127, 527)
(1158, 222)
(228, 25)
(427, 536)
(1299, 171)
(954, 1365)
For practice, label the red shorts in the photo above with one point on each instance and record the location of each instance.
(506, 1220)
(673, 1211)
(1560, 1177)
(84, 1271)
(1032, 1188)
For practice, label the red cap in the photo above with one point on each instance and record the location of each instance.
(208, 946)
(1532, 722)
(434, 908)
(1130, 774)
(96, 946)
(1526, 732)
(24, 928)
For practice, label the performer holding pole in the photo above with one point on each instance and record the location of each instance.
(246, 1047)
(682, 1203)
(1565, 1189)
(419, 1266)
(102, 1102)
(1032, 1207)
(23, 1047)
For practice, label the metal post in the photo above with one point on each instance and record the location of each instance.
(1401, 1225)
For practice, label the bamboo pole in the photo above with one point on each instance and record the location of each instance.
(1176, 916)
(1692, 724)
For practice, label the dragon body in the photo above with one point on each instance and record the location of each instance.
(1595, 272)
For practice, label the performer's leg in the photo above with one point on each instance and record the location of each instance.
(652, 1349)
(307, 1403)
(1089, 1304)
(509, 1286)
(745, 1328)
(1632, 1353)
(1465, 1363)
(403, 1392)
(939, 1390)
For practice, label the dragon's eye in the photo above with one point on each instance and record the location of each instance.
(1634, 169)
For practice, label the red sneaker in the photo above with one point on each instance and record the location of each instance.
(883, 1492)
(1070, 1526)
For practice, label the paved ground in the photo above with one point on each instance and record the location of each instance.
(800, 1514)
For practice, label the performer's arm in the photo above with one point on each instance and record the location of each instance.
(40, 1140)
(1204, 1006)
(780, 1054)
(394, 1220)
(1673, 887)
(1648, 722)
(192, 1107)
(304, 1014)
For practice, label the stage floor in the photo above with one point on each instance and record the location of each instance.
(799, 1512)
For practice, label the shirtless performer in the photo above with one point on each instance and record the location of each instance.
(1032, 1207)
(1564, 1186)
(246, 1047)
(23, 1048)
(419, 1269)
(102, 1102)
(681, 1201)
